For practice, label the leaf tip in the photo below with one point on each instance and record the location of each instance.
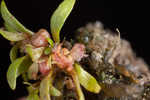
(12, 86)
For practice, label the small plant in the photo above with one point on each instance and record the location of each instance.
(40, 57)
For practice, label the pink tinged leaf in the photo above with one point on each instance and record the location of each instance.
(44, 66)
(33, 71)
(34, 53)
(78, 52)
(40, 38)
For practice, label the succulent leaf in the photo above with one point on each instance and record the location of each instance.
(34, 53)
(33, 71)
(12, 21)
(11, 36)
(9, 28)
(33, 96)
(59, 17)
(54, 91)
(13, 53)
(44, 89)
(19, 66)
(47, 51)
(50, 41)
(87, 80)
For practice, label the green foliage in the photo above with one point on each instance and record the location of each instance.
(13, 53)
(18, 67)
(44, 89)
(59, 17)
(15, 32)
(47, 51)
(9, 28)
(33, 71)
(33, 96)
(86, 80)
(50, 41)
(33, 93)
(34, 53)
(11, 21)
(54, 91)
(11, 36)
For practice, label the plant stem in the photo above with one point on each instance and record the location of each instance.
(77, 84)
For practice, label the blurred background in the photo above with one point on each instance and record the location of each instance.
(130, 17)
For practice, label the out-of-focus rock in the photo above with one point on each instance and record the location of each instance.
(120, 72)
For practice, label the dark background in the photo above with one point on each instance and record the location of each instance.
(130, 17)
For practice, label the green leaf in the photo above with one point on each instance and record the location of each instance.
(15, 69)
(33, 93)
(33, 71)
(12, 21)
(44, 89)
(33, 96)
(8, 28)
(47, 51)
(59, 17)
(13, 53)
(50, 41)
(87, 80)
(12, 36)
(35, 53)
(54, 91)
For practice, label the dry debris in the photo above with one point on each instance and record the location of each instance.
(122, 75)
